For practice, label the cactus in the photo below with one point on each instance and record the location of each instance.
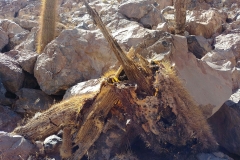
(66, 148)
(47, 23)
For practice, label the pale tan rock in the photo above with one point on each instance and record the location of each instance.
(11, 73)
(201, 79)
(205, 22)
(25, 58)
(74, 56)
(31, 101)
(225, 124)
(15, 147)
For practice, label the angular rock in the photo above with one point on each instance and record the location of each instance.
(11, 73)
(3, 99)
(31, 101)
(10, 27)
(26, 24)
(225, 124)
(15, 147)
(198, 45)
(9, 9)
(205, 23)
(25, 58)
(147, 14)
(8, 119)
(91, 86)
(202, 80)
(30, 42)
(70, 59)
(52, 144)
(3, 39)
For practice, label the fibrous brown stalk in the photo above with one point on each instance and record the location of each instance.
(130, 68)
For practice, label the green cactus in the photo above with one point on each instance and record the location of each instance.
(47, 23)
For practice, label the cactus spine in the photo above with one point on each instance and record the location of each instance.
(47, 23)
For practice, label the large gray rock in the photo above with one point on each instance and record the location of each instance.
(15, 33)
(31, 101)
(91, 86)
(9, 8)
(15, 147)
(225, 124)
(205, 22)
(11, 73)
(25, 58)
(8, 119)
(146, 13)
(209, 86)
(74, 56)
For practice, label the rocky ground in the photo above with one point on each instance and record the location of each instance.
(207, 60)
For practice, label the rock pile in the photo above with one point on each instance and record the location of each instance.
(206, 60)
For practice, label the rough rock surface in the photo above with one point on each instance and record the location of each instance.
(13, 80)
(91, 86)
(75, 56)
(147, 14)
(201, 79)
(25, 58)
(225, 124)
(52, 143)
(205, 23)
(8, 119)
(198, 45)
(32, 101)
(3, 99)
(14, 147)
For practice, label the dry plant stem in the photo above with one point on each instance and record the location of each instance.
(131, 70)
(48, 20)
(51, 121)
(94, 121)
(180, 16)
(66, 148)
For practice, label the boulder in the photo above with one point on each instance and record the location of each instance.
(8, 119)
(3, 99)
(3, 39)
(15, 33)
(15, 147)
(9, 9)
(26, 24)
(202, 80)
(146, 13)
(91, 86)
(225, 124)
(198, 45)
(52, 144)
(74, 56)
(31, 101)
(30, 42)
(10, 27)
(25, 58)
(205, 22)
(11, 73)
